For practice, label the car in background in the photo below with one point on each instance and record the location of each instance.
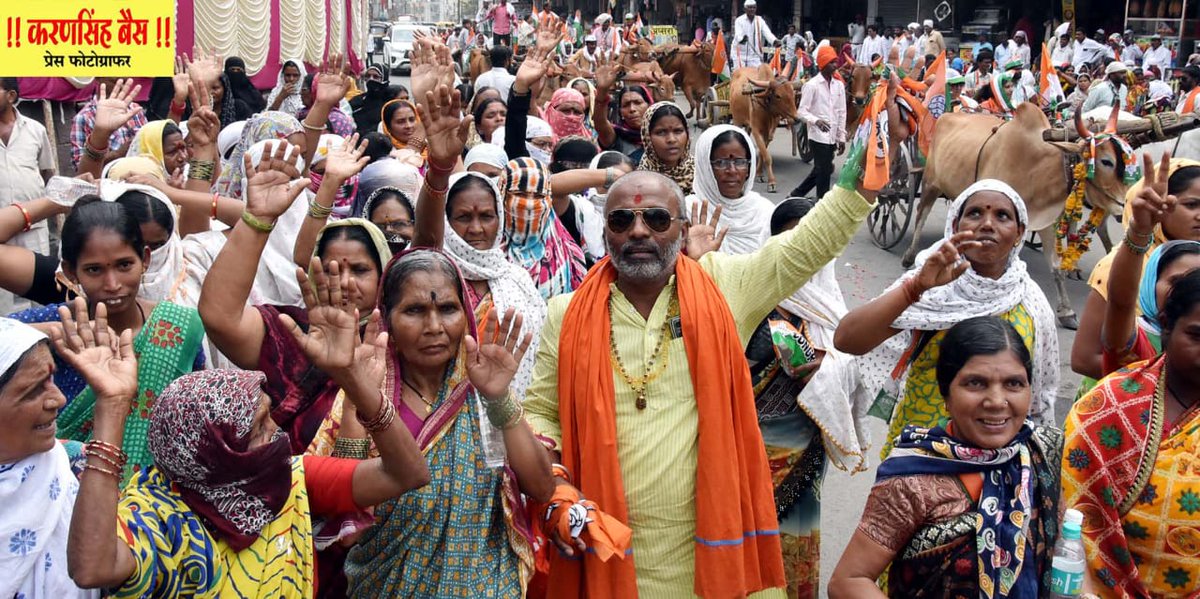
(401, 42)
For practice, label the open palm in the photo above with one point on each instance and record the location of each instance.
(493, 359)
(104, 359)
(432, 67)
(702, 235)
(332, 332)
(446, 129)
(115, 108)
(270, 192)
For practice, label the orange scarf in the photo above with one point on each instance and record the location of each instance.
(737, 534)
(1189, 103)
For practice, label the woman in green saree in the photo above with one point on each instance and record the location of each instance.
(105, 253)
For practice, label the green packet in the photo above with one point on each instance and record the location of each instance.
(792, 345)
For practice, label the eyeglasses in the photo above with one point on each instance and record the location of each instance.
(395, 225)
(658, 219)
(740, 164)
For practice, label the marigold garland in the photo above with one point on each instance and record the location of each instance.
(1071, 246)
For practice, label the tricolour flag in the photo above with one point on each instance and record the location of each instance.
(935, 102)
(720, 63)
(1050, 88)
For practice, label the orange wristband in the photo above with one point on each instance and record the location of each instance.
(214, 205)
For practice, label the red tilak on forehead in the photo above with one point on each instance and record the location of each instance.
(637, 198)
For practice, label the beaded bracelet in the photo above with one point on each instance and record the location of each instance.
(25, 213)
(383, 418)
(1138, 249)
(318, 211)
(256, 224)
(358, 449)
(94, 154)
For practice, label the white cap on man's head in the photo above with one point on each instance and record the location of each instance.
(929, 22)
(749, 4)
(1115, 66)
(590, 39)
(628, 16)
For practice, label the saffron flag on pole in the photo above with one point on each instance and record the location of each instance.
(1050, 88)
(935, 103)
(872, 133)
(777, 62)
(720, 63)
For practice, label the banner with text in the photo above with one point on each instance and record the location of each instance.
(89, 38)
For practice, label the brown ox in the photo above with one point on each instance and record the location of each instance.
(479, 63)
(690, 67)
(859, 79)
(969, 147)
(758, 100)
(640, 67)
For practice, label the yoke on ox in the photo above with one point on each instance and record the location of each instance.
(969, 147)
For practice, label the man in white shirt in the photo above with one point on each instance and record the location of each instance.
(1020, 50)
(608, 38)
(823, 109)
(1112, 89)
(1157, 55)
(1063, 52)
(791, 41)
(26, 163)
(751, 36)
(1133, 53)
(873, 46)
(856, 31)
(1088, 52)
(498, 77)
(1189, 90)
(903, 40)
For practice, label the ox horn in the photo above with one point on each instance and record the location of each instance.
(1111, 126)
(1079, 128)
(758, 84)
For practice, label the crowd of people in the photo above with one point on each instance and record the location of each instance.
(336, 340)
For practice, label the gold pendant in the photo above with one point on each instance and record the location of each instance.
(428, 409)
(641, 400)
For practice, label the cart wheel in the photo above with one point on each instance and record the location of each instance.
(888, 222)
(806, 155)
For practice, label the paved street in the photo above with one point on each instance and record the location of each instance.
(864, 271)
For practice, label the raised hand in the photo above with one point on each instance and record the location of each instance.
(607, 71)
(205, 68)
(115, 109)
(492, 360)
(535, 66)
(180, 80)
(1152, 203)
(204, 125)
(105, 360)
(271, 190)
(549, 33)
(332, 84)
(432, 67)
(345, 161)
(947, 262)
(332, 335)
(703, 236)
(446, 129)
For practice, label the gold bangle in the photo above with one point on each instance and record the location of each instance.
(358, 449)
(318, 211)
(312, 128)
(257, 224)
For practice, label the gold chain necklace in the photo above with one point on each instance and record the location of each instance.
(659, 354)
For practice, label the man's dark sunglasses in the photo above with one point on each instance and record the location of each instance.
(658, 219)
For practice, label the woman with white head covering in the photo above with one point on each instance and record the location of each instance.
(386, 172)
(37, 485)
(488, 159)
(285, 97)
(726, 159)
(150, 207)
(539, 139)
(976, 270)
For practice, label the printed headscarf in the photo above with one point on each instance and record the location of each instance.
(149, 142)
(969, 296)
(589, 106)
(292, 104)
(1003, 100)
(264, 126)
(395, 242)
(683, 173)
(534, 237)
(508, 283)
(564, 125)
(229, 101)
(200, 439)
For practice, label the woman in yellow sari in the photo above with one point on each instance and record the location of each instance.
(1130, 464)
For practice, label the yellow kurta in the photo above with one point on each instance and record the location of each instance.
(657, 446)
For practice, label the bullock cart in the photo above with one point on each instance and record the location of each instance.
(889, 221)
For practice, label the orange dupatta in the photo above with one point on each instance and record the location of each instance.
(738, 549)
(1189, 103)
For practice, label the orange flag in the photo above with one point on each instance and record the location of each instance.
(776, 62)
(719, 55)
(878, 161)
(935, 103)
(1049, 87)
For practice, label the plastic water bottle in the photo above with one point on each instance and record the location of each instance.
(1068, 565)
(492, 437)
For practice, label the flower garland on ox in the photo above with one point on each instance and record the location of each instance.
(1072, 245)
